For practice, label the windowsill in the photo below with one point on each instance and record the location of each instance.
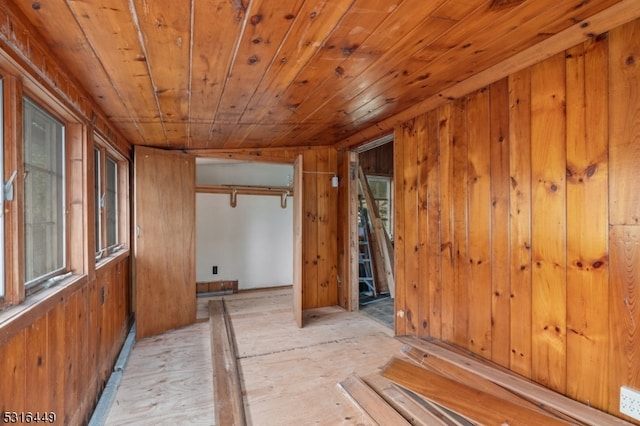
(15, 318)
(38, 301)
(116, 256)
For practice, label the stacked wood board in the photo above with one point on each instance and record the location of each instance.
(437, 384)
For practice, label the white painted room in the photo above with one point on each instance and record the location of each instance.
(244, 231)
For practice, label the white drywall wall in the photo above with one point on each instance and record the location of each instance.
(223, 172)
(251, 243)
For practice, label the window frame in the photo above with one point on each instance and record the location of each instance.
(386, 211)
(80, 263)
(17, 88)
(97, 202)
(107, 153)
(50, 277)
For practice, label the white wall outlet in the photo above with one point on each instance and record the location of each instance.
(630, 402)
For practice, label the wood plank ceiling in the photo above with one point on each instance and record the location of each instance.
(276, 73)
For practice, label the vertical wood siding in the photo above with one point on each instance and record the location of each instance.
(319, 229)
(61, 359)
(518, 221)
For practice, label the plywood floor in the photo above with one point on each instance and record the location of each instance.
(168, 379)
(289, 375)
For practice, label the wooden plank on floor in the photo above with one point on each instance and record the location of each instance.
(422, 413)
(449, 370)
(229, 406)
(462, 399)
(519, 385)
(370, 402)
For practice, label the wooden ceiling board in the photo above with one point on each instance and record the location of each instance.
(473, 52)
(128, 95)
(361, 22)
(356, 75)
(165, 35)
(69, 44)
(207, 74)
(211, 59)
(394, 61)
(371, 60)
(132, 131)
(355, 26)
(267, 27)
(314, 23)
(411, 77)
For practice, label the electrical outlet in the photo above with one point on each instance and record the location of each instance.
(630, 402)
(214, 270)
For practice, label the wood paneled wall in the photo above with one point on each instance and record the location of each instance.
(518, 221)
(377, 161)
(58, 357)
(319, 229)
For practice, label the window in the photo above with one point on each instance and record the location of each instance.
(109, 171)
(111, 203)
(97, 181)
(44, 195)
(381, 187)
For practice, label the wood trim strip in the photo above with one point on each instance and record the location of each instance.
(519, 385)
(447, 369)
(418, 413)
(370, 402)
(228, 403)
(469, 402)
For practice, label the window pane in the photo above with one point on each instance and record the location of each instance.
(43, 193)
(97, 202)
(111, 202)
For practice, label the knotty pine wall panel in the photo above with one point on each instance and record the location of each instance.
(548, 222)
(534, 178)
(624, 208)
(60, 358)
(319, 229)
(377, 161)
(500, 284)
(519, 223)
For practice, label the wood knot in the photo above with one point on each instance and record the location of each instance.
(256, 19)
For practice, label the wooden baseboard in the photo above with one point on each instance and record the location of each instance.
(217, 286)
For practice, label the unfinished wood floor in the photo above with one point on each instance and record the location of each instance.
(167, 380)
(289, 375)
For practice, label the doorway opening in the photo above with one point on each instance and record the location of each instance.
(376, 285)
(244, 224)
